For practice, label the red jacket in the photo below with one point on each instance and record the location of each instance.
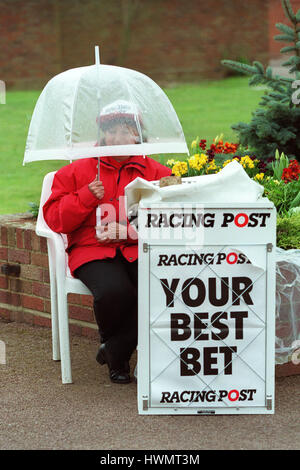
(71, 208)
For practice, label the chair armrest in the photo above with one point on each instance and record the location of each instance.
(59, 244)
(55, 240)
(43, 230)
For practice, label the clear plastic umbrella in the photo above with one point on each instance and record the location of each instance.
(76, 106)
(66, 122)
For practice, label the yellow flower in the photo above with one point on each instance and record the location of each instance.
(246, 161)
(170, 162)
(180, 168)
(259, 176)
(194, 144)
(212, 167)
(197, 162)
(193, 162)
(226, 162)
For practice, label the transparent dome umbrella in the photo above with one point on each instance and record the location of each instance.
(66, 122)
(77, 106)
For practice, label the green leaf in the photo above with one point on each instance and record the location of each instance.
(288, 49)
(285, 29)
(278, 96)
(289, 13)
(288, 62)
(296, 201)
(269, 72)
(34, 208)
(285, 37)
(259, 66)
(239, 66)
(256, 79)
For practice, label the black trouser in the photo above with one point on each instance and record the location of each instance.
(113, 283)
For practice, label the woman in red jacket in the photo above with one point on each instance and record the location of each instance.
(106, 264)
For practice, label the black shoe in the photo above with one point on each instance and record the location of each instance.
(117, 375)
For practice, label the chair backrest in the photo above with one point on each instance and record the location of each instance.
(42, 228)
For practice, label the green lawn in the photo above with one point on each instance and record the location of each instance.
(205, 110)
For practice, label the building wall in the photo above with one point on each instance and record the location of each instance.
(277, 15)
(28, 42)
(169, 40)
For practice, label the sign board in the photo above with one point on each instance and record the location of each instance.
(206, 315)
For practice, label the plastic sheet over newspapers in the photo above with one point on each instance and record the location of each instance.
(231, 184)
(287, 304)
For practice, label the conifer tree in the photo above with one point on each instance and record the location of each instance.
(276, 124)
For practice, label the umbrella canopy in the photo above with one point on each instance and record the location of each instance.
(77, 106)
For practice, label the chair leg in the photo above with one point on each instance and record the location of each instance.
(54, 323)
(54, 313)
(64, 338)
(55, 339)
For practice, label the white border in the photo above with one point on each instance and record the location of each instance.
(75, 153)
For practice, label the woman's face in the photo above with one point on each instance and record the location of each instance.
(121, 134)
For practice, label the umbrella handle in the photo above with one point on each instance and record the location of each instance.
(98, 210)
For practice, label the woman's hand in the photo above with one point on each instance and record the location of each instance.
(96, 188)
(112, 233)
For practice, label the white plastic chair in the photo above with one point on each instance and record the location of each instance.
(61, 283)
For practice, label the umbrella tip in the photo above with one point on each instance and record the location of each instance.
(97, 55)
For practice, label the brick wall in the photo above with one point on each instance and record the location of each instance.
(169, 40)
(29, 52)
(26, 297)
(277, 15)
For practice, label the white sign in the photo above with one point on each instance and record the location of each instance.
(206, 319)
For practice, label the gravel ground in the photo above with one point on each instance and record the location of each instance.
(38, 412)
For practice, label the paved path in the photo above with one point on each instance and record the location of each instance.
(38, 412)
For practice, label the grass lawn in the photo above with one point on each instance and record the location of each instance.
(205, 110)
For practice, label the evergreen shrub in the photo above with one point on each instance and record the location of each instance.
(276, 124)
